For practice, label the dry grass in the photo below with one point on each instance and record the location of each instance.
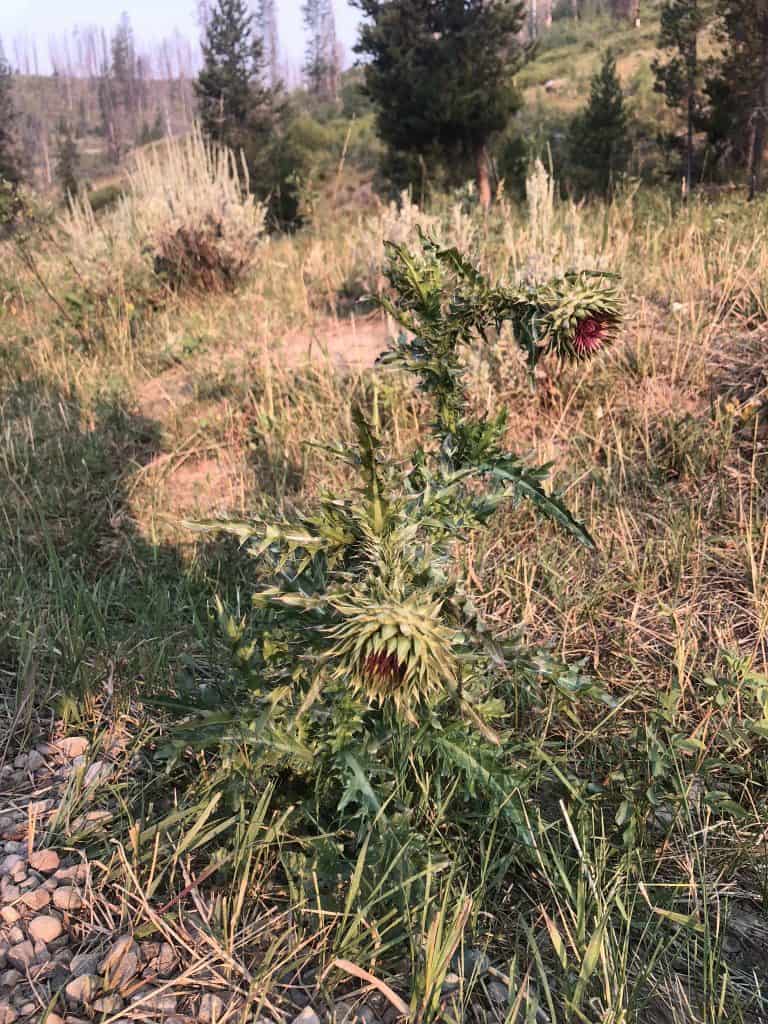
(661, 447)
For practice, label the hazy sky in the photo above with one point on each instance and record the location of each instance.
(151, 20)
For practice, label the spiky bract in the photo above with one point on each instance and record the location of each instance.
(396, 650)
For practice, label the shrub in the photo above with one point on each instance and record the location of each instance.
(186, 217)
(192, 208)
(366, 685)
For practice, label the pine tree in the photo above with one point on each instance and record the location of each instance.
(441, 73)
(267, 19)
(10, 171)
(124, 65)
(679, 77)
(738, 88)
(234, 102)
(67, 161)
(321, 65)
(599, 139)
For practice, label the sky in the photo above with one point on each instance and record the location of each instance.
(152, 20)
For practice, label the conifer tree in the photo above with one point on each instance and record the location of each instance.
(67, 161)
(321, 65)
(599, 138)
(233, 99)
(738, 89)
(441, 73)
(678, 78)
(10, 172)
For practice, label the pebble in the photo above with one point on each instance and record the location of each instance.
(307, 1016)
(83, 989)
(7, 1014)
(162, 960)
(37, 899)
(16, 935)
(108, 1004)
(212, 1007)
(160, 1002)
(10, 979)
(45, 928)
(9, 915)
(121, 964)
(73, 873)
(83, 963)
(35, 761)
(44, 861)
(72, 746)
(67, 898)
(11, 863)
(22, 955)
(498, 993)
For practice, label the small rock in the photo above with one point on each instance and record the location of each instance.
(35, 761)
(9, 892)
(45, 928)
(161, 1002)
(7, 1013)
(54, 1018)
(498, 993)
(50, 884)
(16, 935)
(44, 861)
(212, 1007)
(108, 1004)
(451, 983)
(22, 956)
(11, 863)
(74, 873)
(83, 963)
(162, 959)
(10, 979)
(27, 1009)
(9, 915)
(83, 989)
(67, 898)
(20, 761)
(121, 964)
(307, 1016)
(72, 746)
(36, 899)
(41, 952)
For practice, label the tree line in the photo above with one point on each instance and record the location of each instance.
(440, 79)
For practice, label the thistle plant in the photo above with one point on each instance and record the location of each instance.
(365, 657)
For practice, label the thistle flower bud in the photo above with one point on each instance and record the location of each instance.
(395, 649)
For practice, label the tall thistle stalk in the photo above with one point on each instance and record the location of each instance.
(364, 653)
